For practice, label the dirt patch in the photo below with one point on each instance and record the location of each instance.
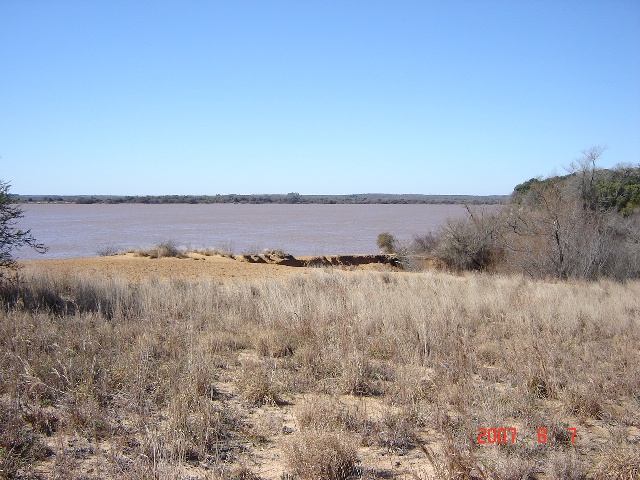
(196, 266)
(320, 261)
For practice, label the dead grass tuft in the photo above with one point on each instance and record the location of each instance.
(316, 455)
(259, 384)
(618, 464)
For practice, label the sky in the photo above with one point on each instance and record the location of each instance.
(317, 97)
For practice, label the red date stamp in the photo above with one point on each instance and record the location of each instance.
(502, 436)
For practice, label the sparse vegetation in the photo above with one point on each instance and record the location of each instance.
(335, 374)
(343, 373)
(167, 248)
(107, 251)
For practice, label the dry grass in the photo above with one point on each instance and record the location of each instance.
(328, 375)
(315, 455)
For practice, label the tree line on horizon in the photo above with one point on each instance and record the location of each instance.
(289, 198)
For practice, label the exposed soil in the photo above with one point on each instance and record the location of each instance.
(195, 266)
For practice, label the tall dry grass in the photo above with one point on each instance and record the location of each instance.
(105, 378)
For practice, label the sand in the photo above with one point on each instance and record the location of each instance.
(193, 267)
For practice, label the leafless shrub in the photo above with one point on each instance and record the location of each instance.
(472, 243)
(107, 251)
(424, 244)
(413, 255)
(167, 248)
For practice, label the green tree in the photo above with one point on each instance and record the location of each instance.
(11, 237)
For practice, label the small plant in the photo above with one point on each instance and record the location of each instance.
(107, 251)
(168, 248)
(275, 252)
(258, 385)
(394, 432)
(387, 243)
(321, 455)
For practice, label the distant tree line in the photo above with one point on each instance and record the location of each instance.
(290, 198)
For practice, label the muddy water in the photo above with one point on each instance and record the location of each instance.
(71, 230)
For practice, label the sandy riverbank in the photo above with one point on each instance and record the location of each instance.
(192, 267)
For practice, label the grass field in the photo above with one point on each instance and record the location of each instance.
(328, 375)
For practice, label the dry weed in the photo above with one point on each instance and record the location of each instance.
(316, 455)
(162, 374)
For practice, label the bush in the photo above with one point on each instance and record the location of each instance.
(424, 244)
(472, 243)
(168, 248)
(107, 251)
(387, 243)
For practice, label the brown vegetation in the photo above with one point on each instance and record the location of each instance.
(322, 374)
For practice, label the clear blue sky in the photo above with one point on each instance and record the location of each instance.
(203, 97)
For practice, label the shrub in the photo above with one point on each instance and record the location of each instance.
(472, 243)
(107, 251)
(387, 243)
(424, 244)
(168, 248)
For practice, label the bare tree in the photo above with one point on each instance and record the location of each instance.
(586, 172)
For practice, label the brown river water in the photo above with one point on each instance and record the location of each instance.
(71, 230)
